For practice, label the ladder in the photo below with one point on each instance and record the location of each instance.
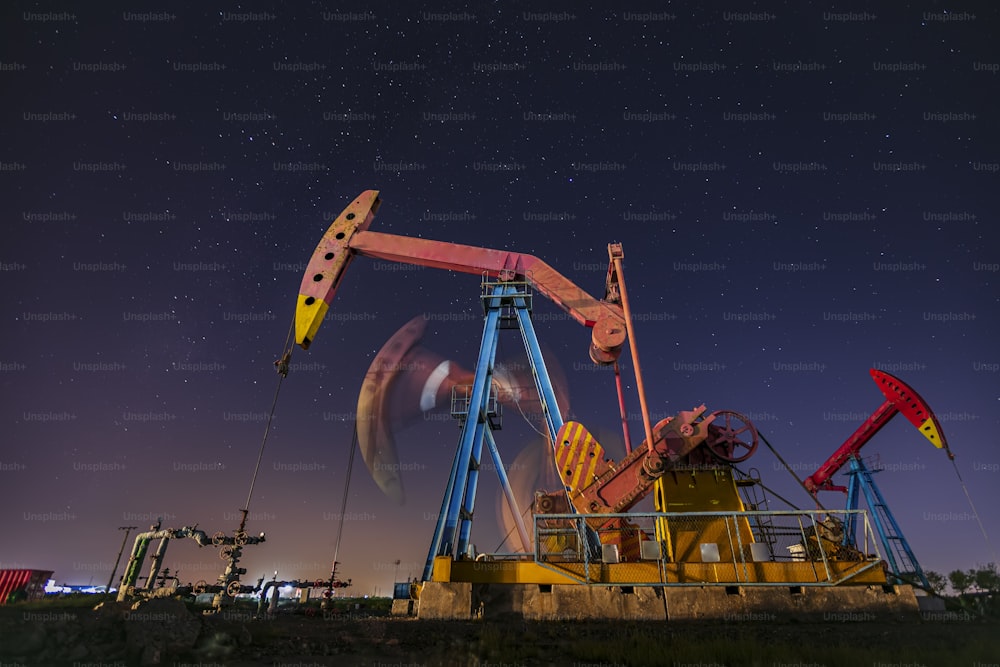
(898, 553)
(761, 525)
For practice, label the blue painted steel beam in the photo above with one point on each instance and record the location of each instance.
(550, 407)
(465, 504)
(454, 524)
(850, 522)
(508, 492)
(446, 527)
(889, 532)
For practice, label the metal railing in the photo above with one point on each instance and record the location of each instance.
(758, 548)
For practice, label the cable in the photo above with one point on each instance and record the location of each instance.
(343, 504)
(511, 531)
(282, 368)
(792, 472)
(514, 390)
(769, 490)
(974, 512)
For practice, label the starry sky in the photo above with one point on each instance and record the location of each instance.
(802, 193)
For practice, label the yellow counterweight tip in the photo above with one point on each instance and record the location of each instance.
(309, 314)
(930, 430)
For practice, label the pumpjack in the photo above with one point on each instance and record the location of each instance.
(900, 398)
(702, 534)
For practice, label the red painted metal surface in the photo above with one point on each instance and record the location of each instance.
(900, 398)
(501, 264)
(820, 480)
(599, 486)
(621, 409)
(912, 406)
(327, 265)
(31, 581)
(347, 236)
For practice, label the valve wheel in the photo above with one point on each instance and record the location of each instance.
(218, 539)
(731, 437)
(233, 589)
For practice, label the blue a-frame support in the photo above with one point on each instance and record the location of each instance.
(454, 523)
(900, 557)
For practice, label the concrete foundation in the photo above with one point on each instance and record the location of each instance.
(403, 608)
(567, 602)
(836, 604)
(781, 604)
(445, 600)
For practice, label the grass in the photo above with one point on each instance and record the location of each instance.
(829, 645)
(57, 602)
(371, 634)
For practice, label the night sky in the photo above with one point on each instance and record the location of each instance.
(803, 192)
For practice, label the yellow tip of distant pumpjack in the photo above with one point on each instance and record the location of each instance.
(327, 265)
(931, 431)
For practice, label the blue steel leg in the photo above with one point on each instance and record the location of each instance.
(443, 541)
(880, 527)
(850, 523)
(550, 407)
(442, 514)
(468, 503)
(508, 493)
(875, 501)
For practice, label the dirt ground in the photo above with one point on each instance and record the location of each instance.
(83, 638)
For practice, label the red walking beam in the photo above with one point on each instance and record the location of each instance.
(899, 398)
(349, 236)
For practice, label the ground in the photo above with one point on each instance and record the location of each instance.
(168, 633)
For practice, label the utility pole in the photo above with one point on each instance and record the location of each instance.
(127, 529)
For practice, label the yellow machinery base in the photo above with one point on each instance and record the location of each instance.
(683, 584)
(652, 573)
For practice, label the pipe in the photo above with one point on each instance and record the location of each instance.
(621, 408)
(275, 588)
(134, 563)
(141, 544)
(155, 562)
(263, 596)
(275, 596)
(630, 330)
